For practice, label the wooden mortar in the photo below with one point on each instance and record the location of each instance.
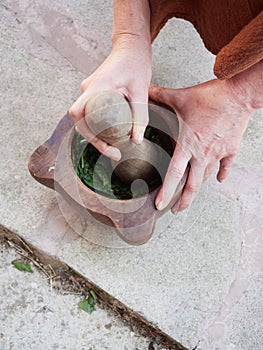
(134, 219)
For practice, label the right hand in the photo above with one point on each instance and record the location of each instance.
(127, 70)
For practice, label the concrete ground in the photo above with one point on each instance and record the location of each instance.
(36, 316)
(199, 280)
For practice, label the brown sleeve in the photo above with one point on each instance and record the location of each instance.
(163, 10)
(234, 34)
(242, 52)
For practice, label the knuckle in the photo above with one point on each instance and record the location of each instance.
(158, 92)
(95, 142)
(192, 188)
(72, 112)
(231, 151)
(207, 151)
(203, 158)
(103, 147)
(234, 151)
(83, 86)
(175, 171)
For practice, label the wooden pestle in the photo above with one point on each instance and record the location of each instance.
(108, 115)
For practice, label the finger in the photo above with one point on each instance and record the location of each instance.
(85, 84)
(210, 169)
(77, 110)
(161, 94)
(225, 165)
(173, 176)
(109, 151)
(140, 120)
(193, 185)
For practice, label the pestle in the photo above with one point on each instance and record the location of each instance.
(108, 115)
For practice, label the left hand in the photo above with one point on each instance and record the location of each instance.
(211, 124)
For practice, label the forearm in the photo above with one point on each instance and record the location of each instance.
(248, 86)
(131, 21)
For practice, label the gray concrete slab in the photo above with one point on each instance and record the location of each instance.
(186, 279)
(36, 316)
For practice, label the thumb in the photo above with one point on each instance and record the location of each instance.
(140, 119)
(161, 94)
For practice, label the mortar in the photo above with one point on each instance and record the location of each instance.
(134, 219)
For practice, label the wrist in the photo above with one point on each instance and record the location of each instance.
(238, 95)
(133, 46)
(131, 21)
(246, 87)
(130, 40)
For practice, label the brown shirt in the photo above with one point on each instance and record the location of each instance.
(230, 29)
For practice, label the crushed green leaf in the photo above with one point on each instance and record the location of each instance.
(94, 169)
(88, 305)
(19, 265)
(92, 293)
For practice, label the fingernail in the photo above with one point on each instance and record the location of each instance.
(116, 158)
(160, 205)
(182, 207)
(115, 155)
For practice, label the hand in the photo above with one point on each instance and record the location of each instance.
(126, 70)
(212, 121)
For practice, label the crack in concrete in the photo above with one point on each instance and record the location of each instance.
(73, 281)
(249, 260)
